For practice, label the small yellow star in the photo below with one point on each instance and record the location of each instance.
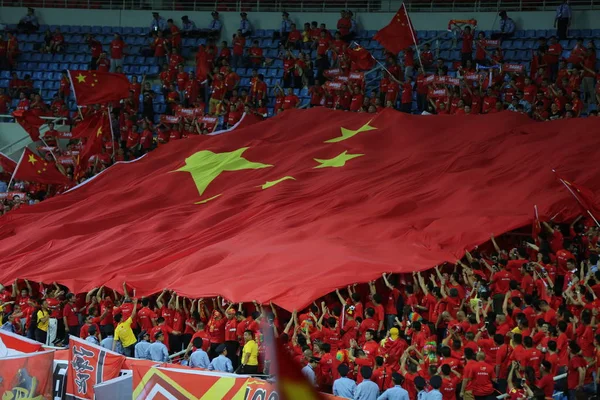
(80, 78)
(32, 159)
(99, 132)
(348, 133)
(337, 161)
(269, 184)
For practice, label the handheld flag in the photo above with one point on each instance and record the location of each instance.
(583, 195)
(29, 121)
(93, 87)
(97, 128)
(33, 168)
(399, 34)
(361, 58)
(8, 164)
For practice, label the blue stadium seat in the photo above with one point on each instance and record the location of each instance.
(140, 41)
(139, 60)
(48, 85)
(37, 75)
(241, 71)
(259, 33)
(4, 74)
(143, 69)
(63, 66)
(139, 30)
(96, 30)
(595, 33)
(530, 34)
(153, 70)
(4, 83)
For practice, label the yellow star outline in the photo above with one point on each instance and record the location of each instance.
(205, 166)
(348, 133)
(337, 161)
(269, 184)
(32, 159)
(80, 78)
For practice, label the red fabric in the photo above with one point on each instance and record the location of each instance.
(95, 87)
(93, 143)
(413, 212)
(33, 168)
(361, 58)
(583, 195)
(8, 164)
(399, 34)
(30, 122)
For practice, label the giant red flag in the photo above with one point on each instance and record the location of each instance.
(399, 34)
(34, 168)
(94, 87)
(308, 201)
(8, 164)
(30, 122)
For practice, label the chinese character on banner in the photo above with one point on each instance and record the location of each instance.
(89, 365)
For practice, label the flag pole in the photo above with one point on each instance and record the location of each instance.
(112, 134)
(577, 199)
(12, 177)
(412, 33)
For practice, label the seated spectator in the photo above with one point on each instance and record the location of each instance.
(188, 27)
(57, 43)
(507, 27)
(255, 54)
(29, 23)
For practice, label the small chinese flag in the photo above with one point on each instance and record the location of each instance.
(361, 58)
(291, 383)
(584, 196)
(399, 34)
(29, 121)
(8, 164)
(97, 128)
(33, 168)
(93, 87)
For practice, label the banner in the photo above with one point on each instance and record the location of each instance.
(65, 160)
(189, 112)
(17, 342)
(169, 119)
(332, 73)
(356, 76)
(472, 76)
(90, 365)
(11, 195)
(178, 383)
(26, 376)
(491, 43)
(513, 67)
(438, 93)
(333, 85)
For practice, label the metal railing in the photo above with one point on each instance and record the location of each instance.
(307, 5)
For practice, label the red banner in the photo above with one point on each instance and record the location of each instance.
(491, 43)
(438, 93)
(341, 78)
(27, 376)
(356, 76)
(189, 112)
(180, 383)
(333, 85)
(452, 81)
(169, 119)
(513, 67)
(472, 76)
(332, 73)
(11, 195)
(90, 365)
(18, 342)
(65, 160)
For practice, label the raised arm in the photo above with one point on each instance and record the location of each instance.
(159, 299)
(125, 293)
(387, 283)
(340, 297)
(496, 247)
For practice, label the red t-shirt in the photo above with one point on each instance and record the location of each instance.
(116, 49)
(290, 101)
(480, 375)
(467, 44)
(145, 317)
(216, 330)
(69, 312)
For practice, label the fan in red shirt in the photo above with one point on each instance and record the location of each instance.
(216, 330)
(57, 43)
(480, 377)
(290, 100)
(175, 34)
(117, 51)
(103, 64)
(95, 48)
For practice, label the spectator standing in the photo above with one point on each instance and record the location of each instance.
(245, 26)
(562, 21)
(142, 346)
(96, 50)
(158, 23)
(117, 50)
(214, 28)
(158, 351)
(29, 23)
(249, 354)
(221, 363)
(124, 333)
(285, 28)
(507, 27)
(43, 320)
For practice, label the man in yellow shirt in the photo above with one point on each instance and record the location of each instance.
(249, 354)
(124, 333)
(43, 320)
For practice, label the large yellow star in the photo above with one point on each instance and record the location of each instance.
(269, 184)
(337, 161)
(80, 78)
(32, 159)
(348, 133)
(205, 166)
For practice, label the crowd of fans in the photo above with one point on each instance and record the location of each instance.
(507, 318)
